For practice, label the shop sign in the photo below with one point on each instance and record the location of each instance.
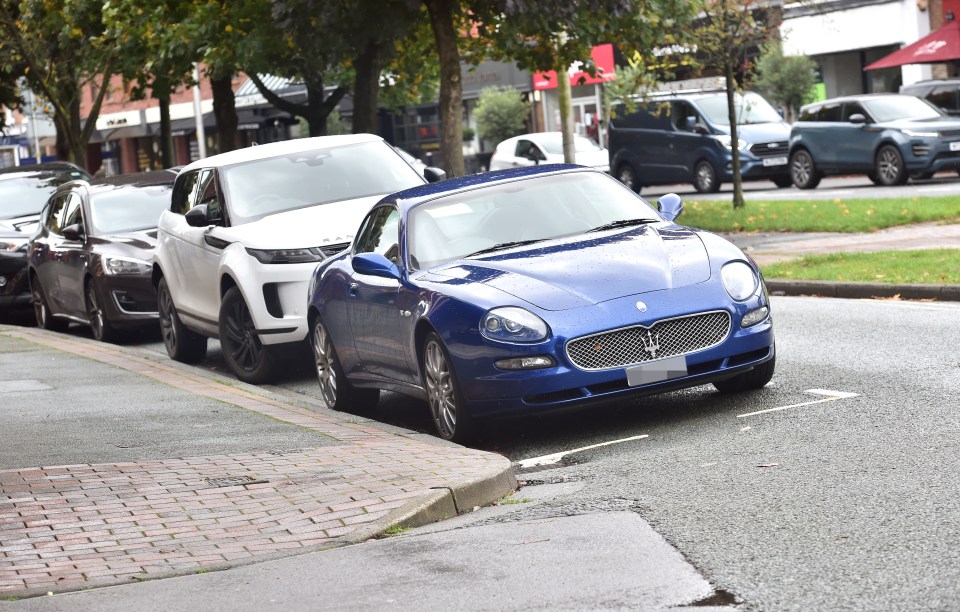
(603, 59)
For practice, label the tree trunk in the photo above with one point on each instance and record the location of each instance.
(225, 112)
(734, 133)
(366, 89)
(78, 146)
(566, 113)
(166, 138)
(451, 87)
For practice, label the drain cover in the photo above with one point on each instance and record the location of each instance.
(234, 481)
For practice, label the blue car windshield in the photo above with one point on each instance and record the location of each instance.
(533, 209)
(751, 108)
(128, 210)
(895, 108)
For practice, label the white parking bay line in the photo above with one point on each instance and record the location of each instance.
(832, 396)
(556, 457)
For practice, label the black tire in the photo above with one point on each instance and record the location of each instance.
(101, 328)
(246, 356)
(803, 171)
(628, 176)
(873, 178)
(889, 167)
(183, 345)
(41, 308)
(335, 389)
(748, 381)
(782, 182)
(451, 416)
(705, 177)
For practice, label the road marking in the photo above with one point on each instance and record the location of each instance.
(832, 396)
(556, 457)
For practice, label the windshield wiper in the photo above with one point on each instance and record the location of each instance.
(622, 223)
(504, 245)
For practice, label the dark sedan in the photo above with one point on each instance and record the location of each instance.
(23, 192)
(90, 259)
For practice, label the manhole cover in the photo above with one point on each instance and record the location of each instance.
(234, 481)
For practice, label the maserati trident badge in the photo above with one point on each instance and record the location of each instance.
(651, 344)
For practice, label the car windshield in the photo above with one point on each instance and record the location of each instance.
(552, 143)
(751, 108)
(533, 209)
(264, 187)
(25, 193)
(894, 108)
(128, 209)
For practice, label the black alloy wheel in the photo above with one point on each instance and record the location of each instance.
(451, 417)
(102, 330)
(889, 166)
(246, 356)
(705, 177)
(803, 171)
(183, 345)
(750, 380)
(41, 308)
(628, 176)
(335, 389)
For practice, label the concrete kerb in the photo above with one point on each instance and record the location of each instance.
(440, 503)
(864, 290)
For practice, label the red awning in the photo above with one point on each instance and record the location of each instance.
(942, 45)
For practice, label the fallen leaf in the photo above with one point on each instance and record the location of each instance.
(747, 428)
(766, 465)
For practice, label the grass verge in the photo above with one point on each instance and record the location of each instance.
(861, 215)
(937, 266)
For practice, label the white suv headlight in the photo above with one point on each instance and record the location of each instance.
(739, 280)
(287, 256)
(125, 265)
(512, 324)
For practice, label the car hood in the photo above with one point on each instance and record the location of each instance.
(133, 244)
(314, 226)
(592, 159)
(937, 123)
(760, 132)
(591, 268)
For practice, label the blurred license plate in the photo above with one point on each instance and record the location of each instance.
(955, 146)
(657, 371)
(775, 161)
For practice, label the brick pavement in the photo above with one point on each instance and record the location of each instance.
(75, 526)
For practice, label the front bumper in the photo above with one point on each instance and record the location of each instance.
(14, 282)
(129, 300)
(276, 295)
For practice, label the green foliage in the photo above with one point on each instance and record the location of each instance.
(861, 215)
(501, 114)
(789, 80)
(335, 125)
(939, 266)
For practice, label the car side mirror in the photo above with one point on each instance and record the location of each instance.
(73, 232)
(857, 118)
(670, 206)
(198, 216)
(433, 174)
(375, 264)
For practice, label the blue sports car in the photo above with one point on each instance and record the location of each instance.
(529, 290)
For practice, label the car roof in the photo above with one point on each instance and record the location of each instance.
(136, 179)
(854, 98)
(416, 195)
(44, 169)
(274, 149)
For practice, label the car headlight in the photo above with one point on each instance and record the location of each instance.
(287, 256)
(739, 280)
(125, 265)
(921, 134)
(14, 245)
(727, 142)
(512, 324)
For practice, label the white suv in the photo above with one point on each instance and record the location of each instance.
(246, 229)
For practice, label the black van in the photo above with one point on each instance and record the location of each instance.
(685, 138)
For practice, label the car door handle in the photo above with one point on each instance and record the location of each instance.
(353, 289)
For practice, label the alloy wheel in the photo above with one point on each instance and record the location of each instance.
(889, 166)
(40, 310)
(168, 330)
(441, 392)
(94, 312)
(241, 336)
(324, 360)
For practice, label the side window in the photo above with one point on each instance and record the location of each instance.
(945, 96)
(851, 109)
(208, 194)
(55, 213)
(380, 234)
(809, 114)
(73, 213)
(684, 116)
(524, 148)
(829, 112)
(184, 192)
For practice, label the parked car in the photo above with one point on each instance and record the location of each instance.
(685, 138)
(942, 93)
(90, 261)
(245, 229)
(534, 289)
(23, 192)
(418, 165)
(546, 148)
(888, 137)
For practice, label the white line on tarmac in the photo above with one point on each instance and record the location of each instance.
(556, 457)
(832, 396)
